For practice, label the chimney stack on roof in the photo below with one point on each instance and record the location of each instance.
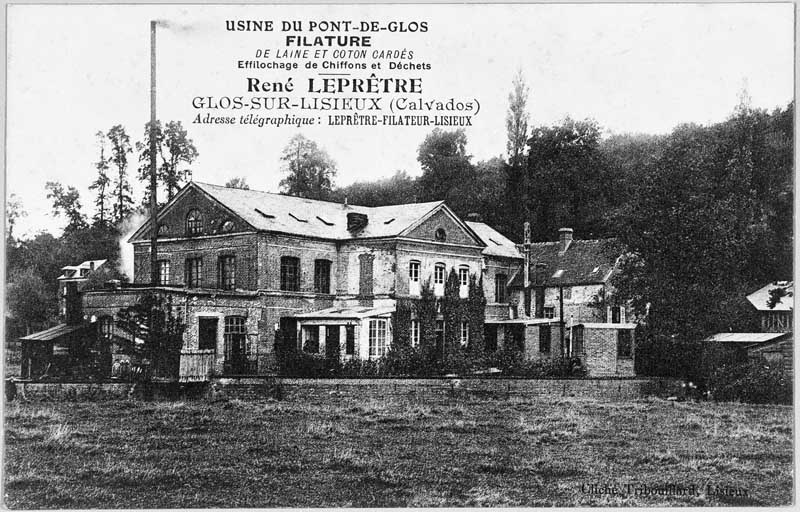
(564, 239)
(356, 221)
(474, 217)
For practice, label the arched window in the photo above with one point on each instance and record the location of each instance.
(194, 223)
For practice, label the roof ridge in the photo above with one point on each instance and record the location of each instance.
(202, 183)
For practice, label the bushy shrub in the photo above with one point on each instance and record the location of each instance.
(302, 364)
(753, 381)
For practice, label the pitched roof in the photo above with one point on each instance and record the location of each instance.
(496, 244)
(760, 298)
(584, 262)
(308, 217)
(86, 265)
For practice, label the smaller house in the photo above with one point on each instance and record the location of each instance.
(605, 349)
(77, 274)
(777, 316)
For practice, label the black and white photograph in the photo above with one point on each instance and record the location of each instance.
(429, 255)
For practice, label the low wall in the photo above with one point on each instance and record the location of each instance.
(71, 390)
(306, 389)
(606, 389)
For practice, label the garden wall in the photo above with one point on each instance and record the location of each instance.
(376, 389)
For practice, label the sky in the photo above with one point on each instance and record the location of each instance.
(634, 68)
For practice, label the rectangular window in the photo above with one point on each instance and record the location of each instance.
(549, 312)
(413, 278)
(567, 292)
(163, 272)
(194, 272)
(464, 333)
(439, 334)
(500, 288)
(207, 333)
(377, 338)
(463, 276)
(615, 314)
(624, 343)
(577, 340)
(227, 272)
(290, 274)
(311, 339)
(414, 333)
(413, 271)
(235, 338)
(544, 339)
(350, 340)
(322, 276)
(438, 273)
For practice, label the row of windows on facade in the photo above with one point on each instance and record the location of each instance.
(440, 275)
(226, 273)
(234, 333)
(377, 336)
(195, 225)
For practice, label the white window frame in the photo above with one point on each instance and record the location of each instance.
(438, 280)
(163, 272)
(551, 310)
(464, 333)
(463, 280)
(413, 277)
(415, 333)
(377, 335)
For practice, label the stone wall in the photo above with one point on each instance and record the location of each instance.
(600, 353)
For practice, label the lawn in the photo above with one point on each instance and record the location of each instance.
(337, 452)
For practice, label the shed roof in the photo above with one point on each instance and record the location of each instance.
(599, 325)
(584, 262)
(760, 298)
(496, 244)
(52, 333)
(745, 337)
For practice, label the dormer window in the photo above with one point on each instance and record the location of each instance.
(194, 223)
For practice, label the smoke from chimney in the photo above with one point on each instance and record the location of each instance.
(129, 226)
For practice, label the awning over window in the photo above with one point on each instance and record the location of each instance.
(345, 313)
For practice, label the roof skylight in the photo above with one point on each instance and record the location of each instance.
(298, 219)
(265, 215)
(324, 221)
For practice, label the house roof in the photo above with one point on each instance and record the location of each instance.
(760, 298)
(496, 244)
(266, 211)
(599, 325)
(746, 337)
(71, 270)
(52, 333)
(584, 262)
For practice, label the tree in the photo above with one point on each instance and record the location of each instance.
(101, 183)
(120, 148)
(152, 321)
(66, 203)
(29, 301)
(566, 180)
(238, 182)
(13, 212)
(445, 165)
(309, 169)
(476, 314)
(400, 188)
(453, 312)
(517, 120)
(176, 152)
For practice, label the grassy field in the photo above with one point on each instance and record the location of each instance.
(398, 452)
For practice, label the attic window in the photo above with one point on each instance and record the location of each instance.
(558, 273)
(595, 270)
(298, 219)
(323, 221)
(265, 215)
(495, 242)
(389, 221)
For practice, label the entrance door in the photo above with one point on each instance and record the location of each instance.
(332, 341)
(490, 337)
